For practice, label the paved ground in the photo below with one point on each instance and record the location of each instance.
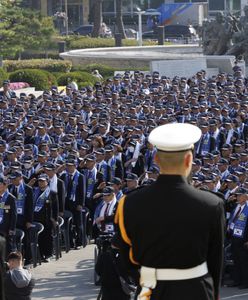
(71, 278)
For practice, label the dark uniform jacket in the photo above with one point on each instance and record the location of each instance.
(9, 216)
(27, 217)
(119, 171)
(61, 194)
(170, 224)
(106, 173)
(139, 167)
(79, 195)
(49, 210)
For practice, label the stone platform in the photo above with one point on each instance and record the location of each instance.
(169, 60)
(136, 57)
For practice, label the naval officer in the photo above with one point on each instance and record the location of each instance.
(172, 232)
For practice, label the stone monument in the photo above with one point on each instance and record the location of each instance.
(226, 35)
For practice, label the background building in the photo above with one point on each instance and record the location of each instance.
(80, 11)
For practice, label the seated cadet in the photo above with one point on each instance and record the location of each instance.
(27, 169)
(114, 163)
(132, 183)
(24, 204)
(46, 211)
(105, 212)
(101, 165)
(238, 232)
(149, 156)
(56, 185)
(94, 181)
(8, 215)
(152, 173)
(116, 183)
(75, 198)
(39, 164)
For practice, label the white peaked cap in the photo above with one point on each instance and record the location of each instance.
(175, 137)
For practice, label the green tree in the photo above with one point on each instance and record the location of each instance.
(22, 29)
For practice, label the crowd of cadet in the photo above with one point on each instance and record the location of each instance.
(64, 151)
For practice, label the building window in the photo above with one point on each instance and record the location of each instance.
(108, 6)
(236, 5)
(217, 4)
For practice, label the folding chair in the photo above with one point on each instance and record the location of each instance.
(57, 238)
(85, 218)
(34, 237)
(19, 235)
(65, 229)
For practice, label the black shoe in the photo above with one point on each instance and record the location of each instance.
(46, 259)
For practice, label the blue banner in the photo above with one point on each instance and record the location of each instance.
(170, 11)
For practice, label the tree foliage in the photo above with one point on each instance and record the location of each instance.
(22, 28)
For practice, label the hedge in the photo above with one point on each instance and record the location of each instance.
(35, 78)
(104, 70)
(3, 76)
(58, 74)
(39, 54)
(50, 65)
(52, 80)
(86, 42)
(76, 76)
(84, 84)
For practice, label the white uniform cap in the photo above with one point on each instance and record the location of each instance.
(175, 137)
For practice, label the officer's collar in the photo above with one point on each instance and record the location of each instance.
(167, 178)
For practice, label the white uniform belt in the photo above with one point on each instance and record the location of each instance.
(182, 274)
(149, 276)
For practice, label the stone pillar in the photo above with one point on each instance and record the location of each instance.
(61, 46)
(43, 7)
(86, 11)
(118, 40)
(160, 30)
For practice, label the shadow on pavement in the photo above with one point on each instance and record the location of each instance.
(75, 285)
